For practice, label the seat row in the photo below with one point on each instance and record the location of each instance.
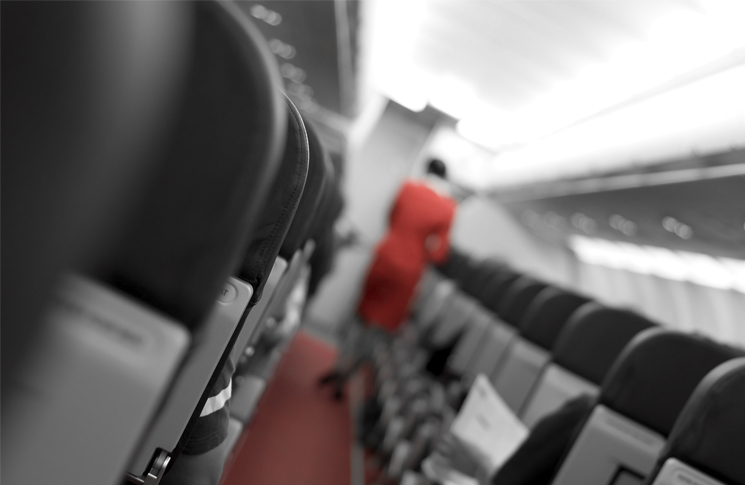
(541, 347)
(172, 240)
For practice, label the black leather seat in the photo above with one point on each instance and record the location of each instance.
(308, 209)
(640, 399)
(515, 301)
(72, 163)
(706, 444)
(530, 351)
(495, 286)
(181, 239)
(583, 354)
(240, 120)
(291, 251)
(322, 230)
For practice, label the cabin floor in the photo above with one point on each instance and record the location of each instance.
(299, 434)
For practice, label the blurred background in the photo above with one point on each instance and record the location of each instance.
(604, 137)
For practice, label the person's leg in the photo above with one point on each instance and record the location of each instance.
(347, 352)
(367, 338)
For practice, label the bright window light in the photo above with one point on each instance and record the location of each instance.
(706, 270)
(737, 267)
(667, 264)
(701, 269)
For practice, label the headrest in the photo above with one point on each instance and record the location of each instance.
(656, 374)
(708, 434)
(83, 107)
(480, 276)
(279, 208)
(466, 271)
(593, 337)
(496, 287)
(307, 209)
(187, 235)
(547, 314)
(449, 267)
(517, 298)
(320, 221)
(322, 231)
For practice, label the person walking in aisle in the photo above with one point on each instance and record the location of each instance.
(418, 233)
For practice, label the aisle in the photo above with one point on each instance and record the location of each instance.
(299, 435)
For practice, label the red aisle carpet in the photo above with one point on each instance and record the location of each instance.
(299, 435)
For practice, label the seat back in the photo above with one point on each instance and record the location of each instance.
(706, 444)
(588, 345)
(489, 354)
(490, 350)
(270, 256)
(113, 342)
(295, 247)
(639, 401)
(81, 125)
(515, 302)
(322, 229)
(496, 288)
(180, 412)
(531, 351)
(452, 320)
(280, 207)
(479, 277)
(475, 332)
(307, 210)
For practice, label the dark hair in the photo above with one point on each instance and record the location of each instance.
(437, 167)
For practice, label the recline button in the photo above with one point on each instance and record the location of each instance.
(228, 293)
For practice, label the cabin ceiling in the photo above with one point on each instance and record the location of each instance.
(513, 52)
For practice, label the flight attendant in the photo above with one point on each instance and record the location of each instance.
(418, 232)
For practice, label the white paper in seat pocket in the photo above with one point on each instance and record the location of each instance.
(486, 424)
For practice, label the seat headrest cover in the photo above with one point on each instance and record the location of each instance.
(320, 221)
(708, 434)
(656, 374)
(515, 301)
(448, 268)
(307, 209)
(497, 287)
(593, 337)
(547, 314)
(192, 225)
(466, 271)
(322, 230)
(476, 283)
(280, 206)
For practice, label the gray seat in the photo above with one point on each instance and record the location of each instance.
(706, 445)
(530, 352)
(479, 328)
(585, 351)
(514, 302)
(639, 402)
